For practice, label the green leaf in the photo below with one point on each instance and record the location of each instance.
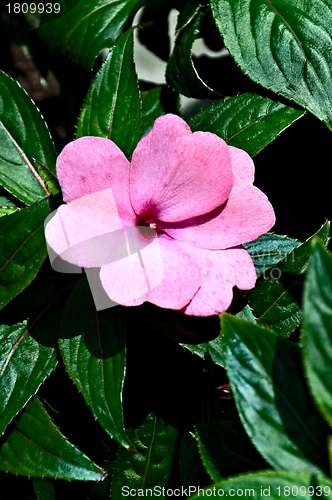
(43, 489)
(156, 102)
(89, 27)
(274, 485)
(212, 351)
(151, 466)
(28, 351)
(225, 449)
(269, 249)
(25, 138)
(284, 46)
(7, 210)
(24, 365)
(36, 448)
(248, 121)
(265, 373)
(317, 328)
(92, 345)
(22, 247)
(181, 73)
(188, 12)
(276, 299)
(112, 108)
(191, 467)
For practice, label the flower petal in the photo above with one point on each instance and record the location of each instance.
(177, 174)
(92, 164)
(246, 215)
(222, 269)
(182, 277)
(88, 231)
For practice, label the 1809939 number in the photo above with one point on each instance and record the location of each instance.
(33, 8)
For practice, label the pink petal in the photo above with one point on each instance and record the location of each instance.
(182, 277)
(177, 174)
(88, 231)
(92, 164)
(127, 281)
(246, 215)
(222, 270)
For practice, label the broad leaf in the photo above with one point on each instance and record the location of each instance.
(284, 46)
(89, 27)
(260, 366)
(212, 351)
(150, 466)
(181, 73)
(191, 466)
(156, 102)
(246, 121)
(276, 299)
(28, 351)
(225, 449)
(22, 247)
(112, 108)
(317, 328)
(25, 138)
(92, 345)
(36, 448)
(271, 484)
(269, 249)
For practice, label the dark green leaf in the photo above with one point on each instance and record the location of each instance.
(24, 137)
(269, 249)
(36, 448)
(317, 328)
(265, 373)
(113, 108)
(284, 46)
(156, 102)
(93, 348)
(225, 449)
(191, 467)
(7, 210)
(28, 348)
(89, 27)
(181, 73)
(246, 121)
(276, 299)
(44, 489)
(24, 365)
(151, 466)
(22, 247)
(48, 177)
(188, 12)
(213, 350)
(271, 484)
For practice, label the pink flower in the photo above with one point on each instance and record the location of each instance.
(192, 188)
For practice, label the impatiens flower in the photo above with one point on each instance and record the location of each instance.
(192, 190)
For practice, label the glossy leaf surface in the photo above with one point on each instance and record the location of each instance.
(22, 247)
(112, 108)
(317, 328)
(247, 121)
(151, 466)
(92, 345)
(284, 46)
(260, 364)
(24, 138)
(36, 448)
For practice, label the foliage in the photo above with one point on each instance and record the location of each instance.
(127, 400)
